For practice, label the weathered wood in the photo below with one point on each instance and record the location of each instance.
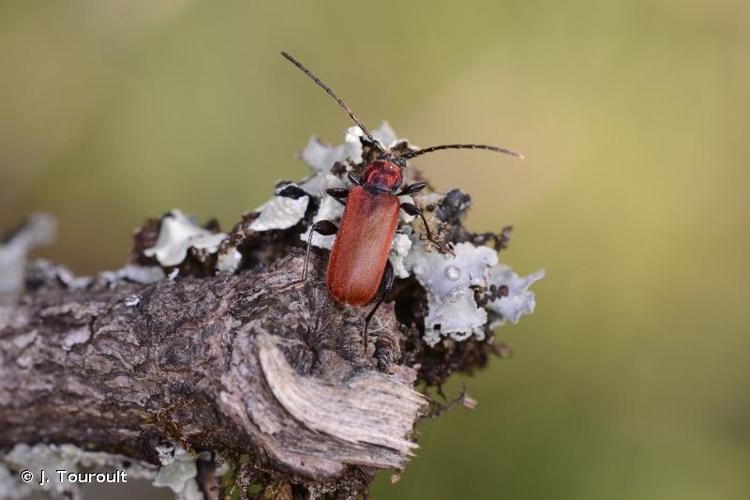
(253, 363)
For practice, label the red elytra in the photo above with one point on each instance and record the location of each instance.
(358, 266)
(360, 251)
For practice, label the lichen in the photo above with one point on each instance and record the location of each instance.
(228, 262)
(144, 275)
(177, 234)
(284, 210)
(75, 337)
(38, 230)
(178, 472)
(10, 487)
(468, 292)
(448, 280)
(517, 301)
(322, 157)
(400, 248)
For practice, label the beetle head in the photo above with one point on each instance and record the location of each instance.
(383, 175)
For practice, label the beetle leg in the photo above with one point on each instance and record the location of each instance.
(338, 194)
(387, 282)
(324, 227)
(412, 188)
(355, 179)
(414, 210)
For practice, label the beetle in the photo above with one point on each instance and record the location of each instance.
(358, 265)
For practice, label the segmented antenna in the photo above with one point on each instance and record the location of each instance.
(496, 149)
(331, 93)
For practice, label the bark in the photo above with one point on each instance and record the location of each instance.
(256, 363)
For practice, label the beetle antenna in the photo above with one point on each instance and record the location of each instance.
(411, 154)
(331, 93)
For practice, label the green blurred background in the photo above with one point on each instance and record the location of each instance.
(631, 380)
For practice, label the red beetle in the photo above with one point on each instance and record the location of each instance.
(358, 266)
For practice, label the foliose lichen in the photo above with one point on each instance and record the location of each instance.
(179, 233)
(468, 291)
(38, 230)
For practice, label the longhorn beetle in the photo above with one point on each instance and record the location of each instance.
(358, 266)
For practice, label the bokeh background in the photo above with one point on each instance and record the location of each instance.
(631, 380)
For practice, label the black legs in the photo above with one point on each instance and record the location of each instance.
(338, 194)
(412, 209)
(386, 284)
(412, 188)
(324, 227)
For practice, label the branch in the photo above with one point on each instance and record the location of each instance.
(206, 355)
(255, 362)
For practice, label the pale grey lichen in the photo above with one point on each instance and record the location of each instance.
(71, 280)
(132, 300)
(448, 280)
(519, 300)
(400, 248)
(281, 211)
(322, 157)
(329, 209)
(178, 472)
(228, 261)
(452, 282)
(144, 275)
(39, 230)
(75, 337)
(177, 234)
(10, 487)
